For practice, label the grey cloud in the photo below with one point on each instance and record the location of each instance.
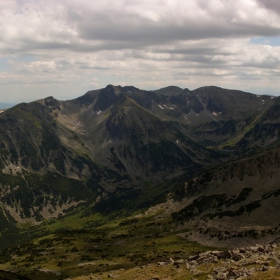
(202, 60)
(128, 28)
(210, 51)
(265, 65)
(87, 67)
(119, 29)
(192, 51)
(273, 5)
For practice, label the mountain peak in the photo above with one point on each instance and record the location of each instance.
(170, 90)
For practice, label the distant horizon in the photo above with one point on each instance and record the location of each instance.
(4, 105)
(10, 104)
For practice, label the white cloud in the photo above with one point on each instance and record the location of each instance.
(64, 48)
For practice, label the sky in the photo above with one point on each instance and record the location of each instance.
(64, 48)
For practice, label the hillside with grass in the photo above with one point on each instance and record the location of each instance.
(126, 183)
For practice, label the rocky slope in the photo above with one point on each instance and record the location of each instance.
(231, 204)
(56, 155)
(253, 262)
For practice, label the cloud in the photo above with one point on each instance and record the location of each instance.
(273, 5)
(75, 45)
(84, 26)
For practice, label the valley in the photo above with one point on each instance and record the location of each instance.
(125, 183)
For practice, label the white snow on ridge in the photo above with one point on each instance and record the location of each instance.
(98, 112)
(165, 107)
(216, 114)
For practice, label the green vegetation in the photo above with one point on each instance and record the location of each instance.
(128, 149)
(80, 244)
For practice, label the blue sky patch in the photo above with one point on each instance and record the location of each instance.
(3, 64)
(272, 41)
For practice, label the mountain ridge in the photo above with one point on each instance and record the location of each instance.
(122, 138)
(152, 171)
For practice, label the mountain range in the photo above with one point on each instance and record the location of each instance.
(124, 144)
(120, 163)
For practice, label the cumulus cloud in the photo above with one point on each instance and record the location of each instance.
(273, 5)
(70, 46)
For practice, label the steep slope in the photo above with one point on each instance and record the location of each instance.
(118, 150)
(146, 146)
(233, 202)
(29, 140)
(121, 132)
(38, 173)
(215, 116)
(226, 114)
(56, 155)
(120, 140)
(265, 132)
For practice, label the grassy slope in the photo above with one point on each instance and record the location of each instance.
(77, 245)
(95, 247)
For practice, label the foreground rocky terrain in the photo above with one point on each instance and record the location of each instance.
(138, 247)
(240, 263)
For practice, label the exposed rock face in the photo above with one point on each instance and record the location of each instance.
(234, 203)
(232, 264)
(238, 263)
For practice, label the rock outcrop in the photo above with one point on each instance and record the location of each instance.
(234, 264)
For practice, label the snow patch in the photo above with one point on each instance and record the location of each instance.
(216, 114)
(165, 107)
(98, 112)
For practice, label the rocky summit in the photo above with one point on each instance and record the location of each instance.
(204, 162)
